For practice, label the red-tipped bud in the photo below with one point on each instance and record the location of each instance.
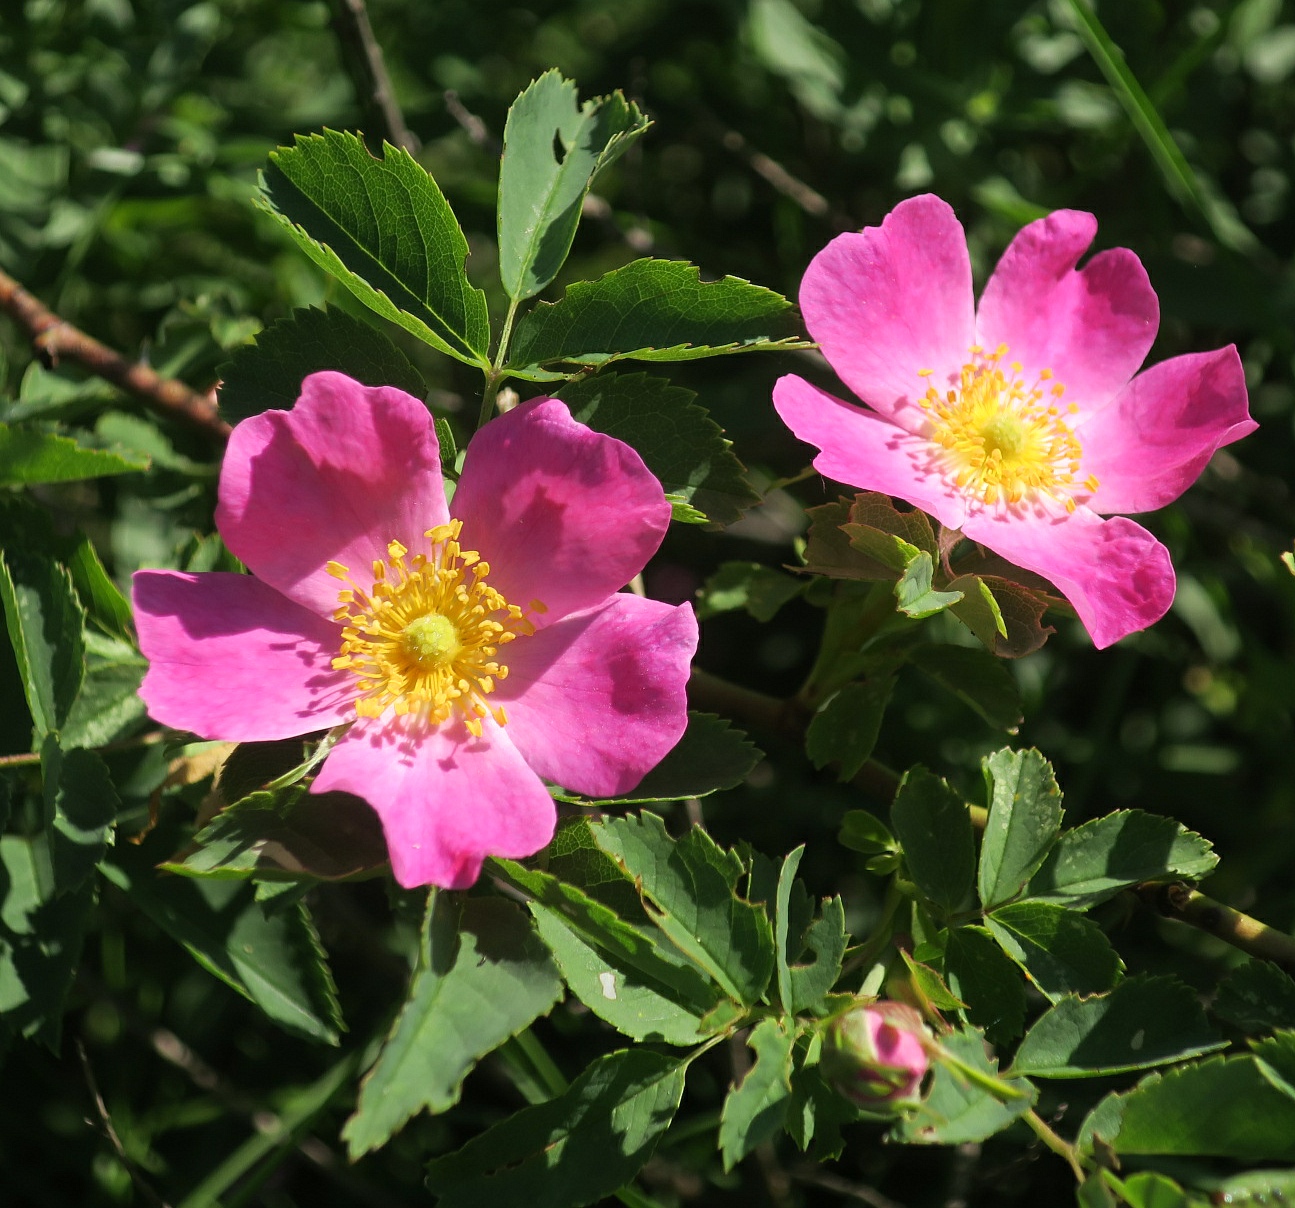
(876, 1055)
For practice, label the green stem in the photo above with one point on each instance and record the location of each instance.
(1062, 1148)
(496, 373)
(302, 770)
(1004, 1092)
(544, 1066)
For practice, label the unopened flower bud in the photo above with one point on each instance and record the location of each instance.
(876, 1055)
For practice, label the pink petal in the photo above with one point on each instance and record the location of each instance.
(231, 658)
(347, 470)
(1153, 441)
(1092, 328)
(595, 700)
(446, 800)
(888, 301)
(866, 451)
(563, 514)
(1117, 576)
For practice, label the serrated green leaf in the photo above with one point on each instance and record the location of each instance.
(983, 976)
(760, 590)
(755, 1109)
(572, 1150)
(789, 900)
(615, 990)
(290, 834)
(482, 977)
(888, 549)
(1061, 952)
(691, 885)
(46, 622)
(1256, 997)
(712, 755)
(844, 731)
(803, 986)
(677, 440)
(1096, 860)
(268, 374)
(103, 600)
(1143, 1022)
(915, 594)
(930, 987)
(653, 310)
(41, 934)
(1225, 1107)
(553, 149)
(1024, 819)
(976, 678)
(383, 228)
(108, 706)
(271, 957)
(957, 1109)
(28, 457)
(80, 811)
(933, 825)
(1007, 617)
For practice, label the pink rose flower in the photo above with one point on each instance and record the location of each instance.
(1019, 422)
(876, 1055)
(477, 649)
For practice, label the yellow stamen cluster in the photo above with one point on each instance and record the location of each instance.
(424, 638)
(1000, 439)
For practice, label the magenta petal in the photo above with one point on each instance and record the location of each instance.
(446, 800)
(1152, 442)
(594, 701)
(1092, 328)
(347, 470)
(1117, 576)
(562, 514)
(865, 451)
(231, 658)
(888, 301)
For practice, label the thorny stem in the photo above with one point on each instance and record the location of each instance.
(1062, 1148)
(364, 56)
(1190, 906)
(53, 339)
(32, 758)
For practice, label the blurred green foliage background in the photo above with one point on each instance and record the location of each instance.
(130, 139)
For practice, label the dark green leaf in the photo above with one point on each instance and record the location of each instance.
(929, 986)
(1096, 860)
(829, 551)
(712, 755)
(988, 981)
(691, 885)
(553, 149)
(761, 590)
(46, 623)
(28, 457)
(826, 939)
(677, 440)
(1024, 819)
(572, 1150)
(471, 992)
(865, 832)
(383, 228)
(1144, 1021)
(80, 811)
(101, 596)
(1233, 1107)
(1062, 952)
(268, 374)
(755, 1109)
(958, 1109)
(653, 310)
(933, 825)
(271, 957)
(108, 706)
(976, 678)
(844, 731)
(1256, 997)
(41, 934)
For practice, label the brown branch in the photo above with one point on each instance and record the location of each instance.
(369, 69)
(53, 339)
(1187, 905)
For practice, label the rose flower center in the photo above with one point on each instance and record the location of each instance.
(999, 438)
(425, 638)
